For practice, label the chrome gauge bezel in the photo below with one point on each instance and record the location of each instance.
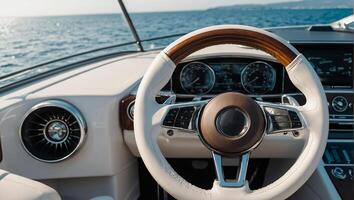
(273, 77)
(212, 81)
(345, 103)
(69, 108)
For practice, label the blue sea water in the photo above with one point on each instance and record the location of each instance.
(29, 41)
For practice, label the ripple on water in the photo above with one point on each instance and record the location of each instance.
(25, 42)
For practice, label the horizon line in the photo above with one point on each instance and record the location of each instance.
(165, 11)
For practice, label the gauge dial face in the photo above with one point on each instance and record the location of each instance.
(258, 78)
(197, 78)
(340, 104)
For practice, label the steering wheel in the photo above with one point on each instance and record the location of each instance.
(232, 124)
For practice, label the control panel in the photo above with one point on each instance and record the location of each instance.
(282, 119)
(340, 106)
(180, 117)
(339, 153)
(342, 173)
(338, 160)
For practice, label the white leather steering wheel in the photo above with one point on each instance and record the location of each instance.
(255, 125)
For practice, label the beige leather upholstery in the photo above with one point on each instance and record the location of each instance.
(14, 187)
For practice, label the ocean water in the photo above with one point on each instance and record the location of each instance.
(25, 42)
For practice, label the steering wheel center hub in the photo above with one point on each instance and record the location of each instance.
(231, 124)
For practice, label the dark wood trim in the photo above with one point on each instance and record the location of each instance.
(125, 122)
(232, 36)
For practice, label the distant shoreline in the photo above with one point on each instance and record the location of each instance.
(301, 4)
(179, 11)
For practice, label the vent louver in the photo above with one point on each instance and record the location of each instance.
(52, 131)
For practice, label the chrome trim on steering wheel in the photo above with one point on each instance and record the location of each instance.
(240, 175)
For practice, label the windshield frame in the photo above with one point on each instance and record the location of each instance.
(137, 42)
(344, 24)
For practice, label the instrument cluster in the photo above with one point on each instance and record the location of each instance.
(215, 76)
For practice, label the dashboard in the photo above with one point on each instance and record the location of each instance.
(214, 76)
(267, 80)
(211, 76)
(332, 63)
(113, 94)
(263, 78)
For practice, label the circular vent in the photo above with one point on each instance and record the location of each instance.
(52, 131)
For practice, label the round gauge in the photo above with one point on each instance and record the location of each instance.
(197, 78)
(339, 104)
(258, 78)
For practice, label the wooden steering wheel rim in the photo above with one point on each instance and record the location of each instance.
(186, 46)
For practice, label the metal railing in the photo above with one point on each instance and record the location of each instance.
(131, 25)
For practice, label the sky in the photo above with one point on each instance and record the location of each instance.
(76, 7)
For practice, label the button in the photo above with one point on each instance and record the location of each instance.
(173, 111)
(276, 111)
(182, 124)
(181, 117)
(296, 125)
(280, 126)
(280, 118)
(293, 116)
(184, 117)
(168, 122)
(339, 103)
(339, 173)
(328, 157)
(170, 117)
(346, 156)
(336, 156)
(131, 107)
(350, 173)
(187, 111)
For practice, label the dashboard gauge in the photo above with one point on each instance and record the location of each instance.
(339, 104)
(258, 78)
(197, 78)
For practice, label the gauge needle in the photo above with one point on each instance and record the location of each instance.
(191, 83)
(339, 103)
(252, 81)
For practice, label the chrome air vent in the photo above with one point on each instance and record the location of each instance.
(52, 131)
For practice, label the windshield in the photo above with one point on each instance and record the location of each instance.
(32, 40)
(39, 36)
(42, 35)
(182, 16)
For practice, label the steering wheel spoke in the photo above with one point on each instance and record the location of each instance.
(182, 116)
(282, 117)
(240, 179)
